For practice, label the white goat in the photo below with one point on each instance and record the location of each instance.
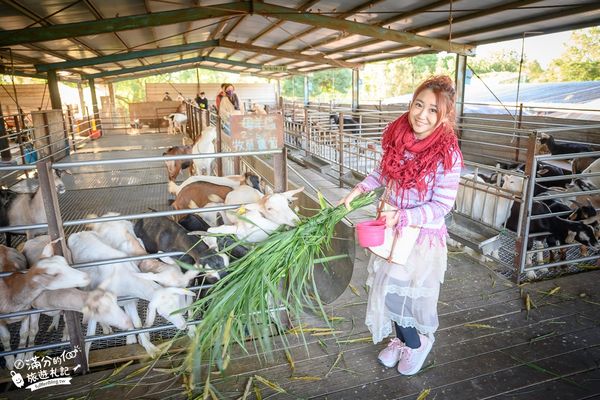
(26, 209)
(177, 122)
(99, 305)
(18, 291)
(204, 144)
(262, 218)
(121, 236)
(120, 278)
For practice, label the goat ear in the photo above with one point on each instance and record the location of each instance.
(589, 202)
(47, 251)
(290, 193)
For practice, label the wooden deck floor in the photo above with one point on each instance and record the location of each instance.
(488, 347)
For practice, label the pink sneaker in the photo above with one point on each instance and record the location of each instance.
(391, 354)
(412, 359)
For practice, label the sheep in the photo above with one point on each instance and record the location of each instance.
(177, 122)
(203, 145)
(26, 209)
(174, 167)
(562, 148)
(19, 290)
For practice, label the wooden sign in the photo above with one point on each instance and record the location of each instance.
(256, 132)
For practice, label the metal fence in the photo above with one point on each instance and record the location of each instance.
(500, 148)
(58, 219)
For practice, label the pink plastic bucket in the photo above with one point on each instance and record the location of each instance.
(371, 233)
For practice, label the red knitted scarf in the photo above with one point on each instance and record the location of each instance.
(415, 169)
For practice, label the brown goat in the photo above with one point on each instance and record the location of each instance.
(198, 193)
(174, 167)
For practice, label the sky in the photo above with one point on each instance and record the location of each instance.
(542, 48)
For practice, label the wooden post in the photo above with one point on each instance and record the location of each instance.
(280, 171)
(55, 231)
(71, 130)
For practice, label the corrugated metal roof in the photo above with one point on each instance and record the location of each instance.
(329, 31)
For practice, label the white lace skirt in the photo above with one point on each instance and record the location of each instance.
(407, 294)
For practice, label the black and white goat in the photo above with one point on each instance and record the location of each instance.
(350, 124)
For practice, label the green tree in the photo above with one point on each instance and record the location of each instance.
(581, 59)
(499, 61)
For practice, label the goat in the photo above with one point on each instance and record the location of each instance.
(164, 234)
(11, 260)
(120, 278)
(578, 165)
(487, 203)
(562, 148)
(262, 218)
(174, 167)
(350, 124)
(121, 236)
(203, 145)
(258, 109)
(98, 305)
(547, 170)
(177, 122)
(594, 167)
(232, 181)
(26, 209)
(18, 291)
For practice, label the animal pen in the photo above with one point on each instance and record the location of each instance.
(83, 44)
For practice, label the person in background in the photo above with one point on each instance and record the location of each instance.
(420, 169)
(232, 96)
(202, 101)
(220, 95)
(166, 97)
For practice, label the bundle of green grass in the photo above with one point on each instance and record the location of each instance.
(241, 304)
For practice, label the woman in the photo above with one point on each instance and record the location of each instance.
(230, 105)
(421, 169)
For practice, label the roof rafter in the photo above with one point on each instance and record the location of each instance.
(127, 56)
(173, 63)
(288, 54)
(439, 24)
(562, 13)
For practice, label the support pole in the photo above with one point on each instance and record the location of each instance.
(53, 90)
(95, 110)
(113, 104)
(460, 79)
(306, 92)
(355, 88)
(55, 231)
(82, 109)
(4, 145)
(280, 171)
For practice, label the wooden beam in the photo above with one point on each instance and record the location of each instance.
(288, 54)
(183, 68)
(126, 56)
(109, 25)
(170, 64)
